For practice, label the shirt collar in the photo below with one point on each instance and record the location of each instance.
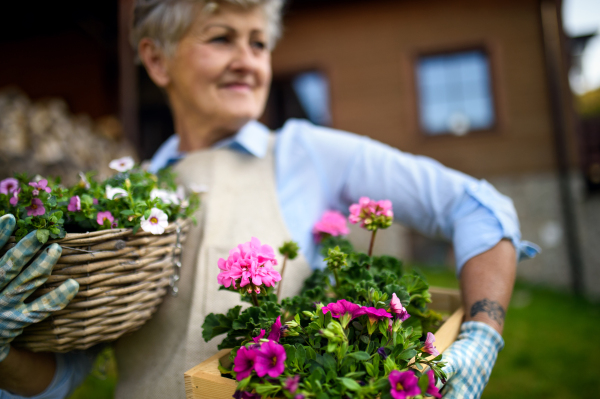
(253, 138)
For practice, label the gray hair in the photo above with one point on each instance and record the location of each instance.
(167, 21)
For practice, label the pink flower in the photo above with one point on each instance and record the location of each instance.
(275, 333)
(245, 360)
(292, 383)
(428, 346)
(74, 204)
(398, 309)
(15, 198)
(270, 360)
(36, 208)
(95, 201)
(250, 262)
(343, 307)
(431, 388)
(102, 216)
(371, 214)
(332, 223)
(8, 185)
(114, 224)
(376, 314)
(41, 185)
(260, 336)
(404, 384)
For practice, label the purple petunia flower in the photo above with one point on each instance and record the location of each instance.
(404, 384)
(381, 352)
(41, 185)
(260, 336)
(428, 346)
(74, 204)
(344, 310)
(36, 208)
(8, 185)
(292, 383)
(244, 363)
(376, 314)
(431, 388)
(245, 395)
(15, 198)
(270, 360)
(275, 333)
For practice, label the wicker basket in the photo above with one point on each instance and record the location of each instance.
(122, 278)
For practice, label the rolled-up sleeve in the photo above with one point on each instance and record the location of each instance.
(427, 196)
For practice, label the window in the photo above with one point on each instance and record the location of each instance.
(455, 93)
(301, 95)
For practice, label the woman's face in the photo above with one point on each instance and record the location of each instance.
(221, 69)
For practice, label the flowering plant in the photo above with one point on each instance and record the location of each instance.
(132, 198)
(360, 328)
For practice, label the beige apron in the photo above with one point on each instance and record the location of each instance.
(241, 203)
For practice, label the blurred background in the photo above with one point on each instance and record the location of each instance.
(504, 90)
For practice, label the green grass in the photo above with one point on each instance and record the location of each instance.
(552, 348)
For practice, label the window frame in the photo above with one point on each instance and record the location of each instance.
(495, 88)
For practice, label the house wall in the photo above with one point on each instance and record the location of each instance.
(368, 51)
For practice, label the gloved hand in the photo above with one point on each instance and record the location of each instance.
(16, 286)
(470, 360)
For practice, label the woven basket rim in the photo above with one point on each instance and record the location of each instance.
(112, 233)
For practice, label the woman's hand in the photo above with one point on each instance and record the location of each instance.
(16, 285)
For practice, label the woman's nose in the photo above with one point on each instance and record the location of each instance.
(244, 58)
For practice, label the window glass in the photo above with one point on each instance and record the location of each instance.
(455, 93)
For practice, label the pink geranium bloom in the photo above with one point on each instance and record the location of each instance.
(41, 185)
(15, 198)
(270, 360)
(250, 262)
(332, 223)
(36, 208)
(74, 204)
(431, 388)
(404, 384)
(245, 360)
(8, 185)
(275, 333)
(397, 308)
(428, 346)
(371, 214)
(102, 216)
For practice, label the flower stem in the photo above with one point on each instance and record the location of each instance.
(254, 299)
(337, 280)
(372, 242)
(281, 281)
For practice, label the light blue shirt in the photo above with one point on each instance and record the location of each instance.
(319, 169)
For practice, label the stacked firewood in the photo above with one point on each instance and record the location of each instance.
(44, 138)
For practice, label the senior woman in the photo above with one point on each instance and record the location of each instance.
(212, 59)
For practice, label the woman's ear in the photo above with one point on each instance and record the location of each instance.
(155, 62)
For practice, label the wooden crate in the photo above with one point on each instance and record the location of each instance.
(204, 381)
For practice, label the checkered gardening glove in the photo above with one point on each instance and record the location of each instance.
(470, 360)
(16, 286)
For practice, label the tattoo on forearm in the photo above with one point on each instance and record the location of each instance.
(492, 308)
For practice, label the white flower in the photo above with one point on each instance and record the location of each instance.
(122, 164)
(167, 197)
(156, 223)
(114, 193)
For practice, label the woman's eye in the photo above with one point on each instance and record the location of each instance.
(259, 45)
(220, 39)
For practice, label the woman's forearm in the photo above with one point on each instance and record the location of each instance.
(486, 283)
(26, 373)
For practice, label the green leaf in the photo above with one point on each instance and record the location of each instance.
(408, 354)
(362, 356)
(42, 235)
(370, 369)
(300, 355)
(350, 384)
